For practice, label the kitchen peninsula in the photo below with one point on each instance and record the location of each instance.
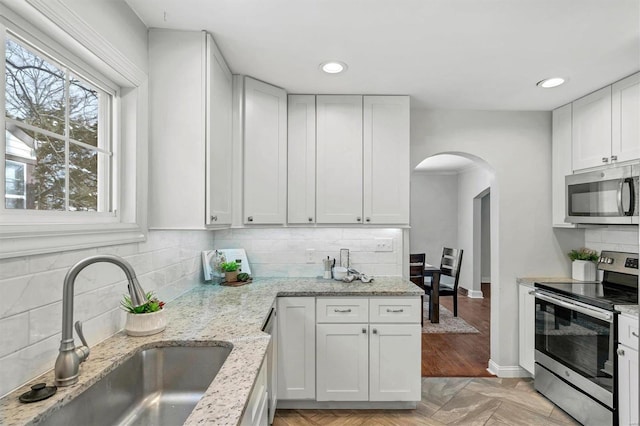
(209, 315)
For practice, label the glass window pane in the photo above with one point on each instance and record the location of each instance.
(46, 178)
(83, 112)
(83, 178)
(34, 89)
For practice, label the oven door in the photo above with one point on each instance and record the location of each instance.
(575, 341)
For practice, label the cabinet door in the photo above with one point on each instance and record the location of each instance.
(386, 159)
(301, 162)
(177, 136)
(526, 327)
(265, 153)
(339, 159)
(296, 348)
(395, 354)
(591, 130)
(343, 362)
(560, 164)
(625, 113)
(273, 371)
(219, 137)
(627, 386)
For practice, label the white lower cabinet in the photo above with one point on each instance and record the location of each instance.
(628, 371)
(342, 352)
(363, 360)
(256, 413)
(296, 348)
(526, 327)
(394, 362)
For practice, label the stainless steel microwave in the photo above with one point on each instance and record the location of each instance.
(607, 196)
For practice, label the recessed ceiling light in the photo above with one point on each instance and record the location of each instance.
(548, 83)
(333, 67)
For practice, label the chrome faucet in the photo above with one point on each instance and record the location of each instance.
(70, 357)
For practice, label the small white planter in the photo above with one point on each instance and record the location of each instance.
(583, 270)
(145, 324)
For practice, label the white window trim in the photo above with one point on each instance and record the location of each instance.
(53, 25)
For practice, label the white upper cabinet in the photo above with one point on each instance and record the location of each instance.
(591, 130)
(339, 159)
(219, 135)
(606, 125)
(560, 164)
(625, 119)
(301, 162)
(386, 159)
(190, 120)
(265, 153)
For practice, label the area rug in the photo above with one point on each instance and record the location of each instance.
(448, 323)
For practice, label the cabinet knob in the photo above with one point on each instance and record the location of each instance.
(214, 218)
(614, 158)
(364, 330)
(375, 331)
(250, 219)
(310, 219)
(620, 352)
(634, 334)
(605, 160)
(368, 219)
(359, 219)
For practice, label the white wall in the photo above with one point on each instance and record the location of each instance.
(282, 252)
(168, 263)
(434, 212)
(517, 146)
(485, 231)
(471, 182)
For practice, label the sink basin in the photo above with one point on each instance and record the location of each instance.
(158, 386)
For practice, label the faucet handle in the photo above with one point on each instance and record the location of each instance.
(82, 351)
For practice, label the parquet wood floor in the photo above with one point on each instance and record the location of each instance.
(460, 355)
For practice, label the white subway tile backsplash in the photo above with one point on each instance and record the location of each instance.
(45, 322)
(51, 261)
(30, 291)
(15, 333)
(16, 267)
(616, 238)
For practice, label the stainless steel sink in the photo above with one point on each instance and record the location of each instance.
(159, 386)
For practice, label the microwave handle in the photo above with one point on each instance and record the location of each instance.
(632, 197)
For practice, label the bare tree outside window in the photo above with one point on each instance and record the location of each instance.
(52, 127)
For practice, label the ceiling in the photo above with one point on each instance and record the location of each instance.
(444, 163)
(446, 54)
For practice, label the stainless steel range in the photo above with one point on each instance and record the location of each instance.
(576, 336)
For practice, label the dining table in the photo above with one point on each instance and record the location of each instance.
(434, 273)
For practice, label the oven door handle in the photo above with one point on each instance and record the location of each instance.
(601, 315)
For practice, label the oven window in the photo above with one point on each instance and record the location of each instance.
(576, 340)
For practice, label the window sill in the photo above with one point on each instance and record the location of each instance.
(24, 240)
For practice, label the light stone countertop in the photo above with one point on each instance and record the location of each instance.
(207, 315)
(631, 310)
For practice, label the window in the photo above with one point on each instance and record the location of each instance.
(57, 136)
(74, 144)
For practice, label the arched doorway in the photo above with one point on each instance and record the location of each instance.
(448, 192)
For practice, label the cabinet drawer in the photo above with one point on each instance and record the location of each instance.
(628, 331)
(395, 309)
(342, 309)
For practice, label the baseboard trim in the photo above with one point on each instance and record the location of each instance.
(475, 294)
(507, 371)
(343, 405)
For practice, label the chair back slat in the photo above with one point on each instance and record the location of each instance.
(416, 268)
(450, 263)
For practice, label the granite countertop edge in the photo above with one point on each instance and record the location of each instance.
(207, 315)
(631, 310)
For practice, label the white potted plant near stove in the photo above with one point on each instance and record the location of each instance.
(583, 265)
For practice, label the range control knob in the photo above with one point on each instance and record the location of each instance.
(609, 261)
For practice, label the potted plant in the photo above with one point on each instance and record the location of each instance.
(583, 267)
(146, 319)
(230, 271)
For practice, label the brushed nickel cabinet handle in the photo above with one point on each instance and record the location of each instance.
(250, 219)
(614, 158)
(214, 218)
(620, 351)
(375, 331)
(342, 311)
(368, 219)
(359, 219)
(364, 330)
(605, 160)
(310, 219)
(395, 310)
(634, 334)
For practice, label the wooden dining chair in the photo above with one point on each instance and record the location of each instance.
(449, 266)
(417, 263)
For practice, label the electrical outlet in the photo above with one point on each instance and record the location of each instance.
(310, 255)
(384, 244)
